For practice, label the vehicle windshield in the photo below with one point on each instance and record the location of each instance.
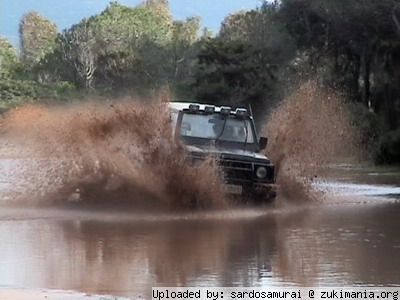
(217, 127)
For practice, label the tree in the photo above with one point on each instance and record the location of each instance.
(80, 46)
(262, 29)
(233, 73)
(74, 59)
(131, 44)
(245, 62)
(236, 26)
(161, 9)
(8, 58)
(37, 37)
(358, 55)
(184, 36)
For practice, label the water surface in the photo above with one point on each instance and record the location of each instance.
(354, 241)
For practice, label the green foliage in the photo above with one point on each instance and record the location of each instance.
(12, 90)
(117, 45)
(352, 45)
(8, 58)
(123, 48)
(161, 9)
(369, 127)
(17, 92)
(232, 72)
(122, 27)
(389, 147)
(340, 36)
(262, 29)
(15, 86)
(254, 57)
(79, 49)
(183, 50)
(245, 63)
(37, 37)
(186, 32)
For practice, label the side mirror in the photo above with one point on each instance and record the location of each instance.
(263, 143)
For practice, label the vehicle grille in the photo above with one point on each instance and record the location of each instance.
(237, 165)
(236, 171)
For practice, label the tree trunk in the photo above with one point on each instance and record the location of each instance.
(389, 93)
(366, 93)
(354, 63)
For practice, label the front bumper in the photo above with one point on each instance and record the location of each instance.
(244, 172)
(264, 189)
(267, 190)
(240, 174)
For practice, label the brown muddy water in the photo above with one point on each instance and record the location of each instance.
(65, 234)
(351, 238)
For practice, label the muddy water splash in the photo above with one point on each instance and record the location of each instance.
(108, 152)
(98, 152)
(308, 130)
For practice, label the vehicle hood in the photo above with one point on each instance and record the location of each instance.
(228, 153)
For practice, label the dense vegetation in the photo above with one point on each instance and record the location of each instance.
(350, 45)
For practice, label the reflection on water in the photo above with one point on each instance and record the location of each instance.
(364, 175)
(354, 241)
(311, 246)
(355, 184)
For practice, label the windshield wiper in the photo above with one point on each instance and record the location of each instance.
(222, 131)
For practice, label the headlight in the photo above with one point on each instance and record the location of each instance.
(261, 172)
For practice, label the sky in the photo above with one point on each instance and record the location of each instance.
(67, 12)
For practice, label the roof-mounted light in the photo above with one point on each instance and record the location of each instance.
(225, 110)
(209, 109)
(241, 112)
(194, 108)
